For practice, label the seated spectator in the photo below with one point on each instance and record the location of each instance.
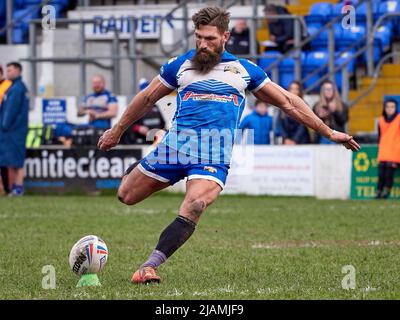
(281, 30)
(260, 122)
(63, 134)
(331, 109)
(292, 132)
(101, 105)
(147, 130)
(239, 40)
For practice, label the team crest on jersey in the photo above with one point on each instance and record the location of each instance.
(211, 97)
(210, 169)
(231, 69)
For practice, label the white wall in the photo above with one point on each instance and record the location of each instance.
(322, 171)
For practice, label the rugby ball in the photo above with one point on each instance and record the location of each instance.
(88, 255)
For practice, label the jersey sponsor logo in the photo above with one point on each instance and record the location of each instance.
(232, 69)
(210, 169)
(211, 97)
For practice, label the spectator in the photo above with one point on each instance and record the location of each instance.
(331, 109)
(260, 122)
(239, 40)
(281, 30)
(4, 85)
(389, 148)
(101, 105)
(293, 132)
(14, 127)
(153, 120)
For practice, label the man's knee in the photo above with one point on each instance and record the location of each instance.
(126, 197)
(196, 207)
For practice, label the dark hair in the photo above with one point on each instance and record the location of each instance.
(1, 69)
(15, 65)
(271, 8)
(384, 106)
(212, 16)
(301, 88)
(258, 102)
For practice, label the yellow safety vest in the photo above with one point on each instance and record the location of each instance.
(35, 138)
(4, 85)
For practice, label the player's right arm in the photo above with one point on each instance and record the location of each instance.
(137, 108)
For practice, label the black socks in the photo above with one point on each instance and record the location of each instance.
(175, 235)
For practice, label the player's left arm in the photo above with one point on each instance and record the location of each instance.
(295, 107)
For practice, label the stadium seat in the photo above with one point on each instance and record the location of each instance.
(344, 38)
(287, 70)
(18, 4)
(321, 41)
(269, 58)
(20, 35)
(361, 11)
(315, 60)
(381, 44)
(3, 10)
(21, 27)
(28, 3)
(351, 67)
(384, 35)
(389, 7)
(3, 20)
(319, 14)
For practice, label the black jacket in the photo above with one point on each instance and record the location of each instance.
(153, 120)
(239, 43)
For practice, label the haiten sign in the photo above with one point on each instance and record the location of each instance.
(364, 175)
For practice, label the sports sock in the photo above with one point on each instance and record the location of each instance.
(173, 237)
(4, 179)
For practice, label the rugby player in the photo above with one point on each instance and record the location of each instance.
(211, 89)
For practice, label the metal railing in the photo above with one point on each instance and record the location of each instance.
(83, 59)
(133, 54)
(11, 23)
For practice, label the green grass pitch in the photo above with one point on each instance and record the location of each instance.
(244, 248)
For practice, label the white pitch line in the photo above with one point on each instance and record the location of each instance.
(324, 244)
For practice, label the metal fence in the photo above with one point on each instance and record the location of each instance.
(182, 45)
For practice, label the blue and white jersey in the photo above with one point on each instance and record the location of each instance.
(99, 101)
(209, 106)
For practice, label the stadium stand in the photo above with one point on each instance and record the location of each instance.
(316, 14)
(347, 41)
(24, 11)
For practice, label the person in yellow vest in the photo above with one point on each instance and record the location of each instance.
(4, 85)
(389, 148)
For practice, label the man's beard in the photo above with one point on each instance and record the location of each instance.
(204, 60)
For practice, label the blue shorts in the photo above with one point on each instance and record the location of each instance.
(168, 165)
